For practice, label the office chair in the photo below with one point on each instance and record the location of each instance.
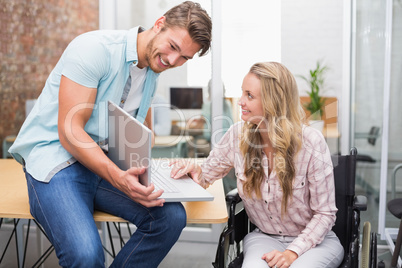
(229, 251)
(371, 139)
(395, 207)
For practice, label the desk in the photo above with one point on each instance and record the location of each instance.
(14, 199)
(172, 140)
(331, 132)
(7, 142)
(171, 146)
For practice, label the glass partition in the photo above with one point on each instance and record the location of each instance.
(376, 48)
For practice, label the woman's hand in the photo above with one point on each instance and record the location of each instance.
(280, 259)
(181, 167)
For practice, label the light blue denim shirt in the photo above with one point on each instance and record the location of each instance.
(98, 59)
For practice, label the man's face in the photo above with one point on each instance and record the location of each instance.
(171, 47)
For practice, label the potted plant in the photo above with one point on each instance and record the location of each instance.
(315, 106)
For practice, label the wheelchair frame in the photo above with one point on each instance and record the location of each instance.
(347, 225)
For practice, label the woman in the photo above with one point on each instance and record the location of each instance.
(284, 175)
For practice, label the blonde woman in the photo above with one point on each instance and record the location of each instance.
(284, 174)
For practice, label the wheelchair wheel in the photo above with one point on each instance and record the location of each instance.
(365, 252)
(234, 257)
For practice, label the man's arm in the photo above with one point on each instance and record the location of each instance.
(75, 108)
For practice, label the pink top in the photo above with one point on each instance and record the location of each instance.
(310, 213)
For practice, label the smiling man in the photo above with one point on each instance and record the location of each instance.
(169, 48)
(59, 145)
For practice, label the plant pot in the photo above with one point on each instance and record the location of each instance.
(317, 124)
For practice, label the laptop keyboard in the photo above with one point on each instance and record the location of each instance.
(160, 182)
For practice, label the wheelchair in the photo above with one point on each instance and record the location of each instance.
(347, 225)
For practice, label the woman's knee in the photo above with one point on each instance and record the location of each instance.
(329, 253)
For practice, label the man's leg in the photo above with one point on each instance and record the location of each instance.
(64, 208)
(157, 231)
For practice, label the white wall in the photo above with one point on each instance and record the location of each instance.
(251, 32)
(309, 30)
(312, 30)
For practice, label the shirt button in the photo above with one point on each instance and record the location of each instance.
(302, 183)
(122, 101)
(266, 202)
(135, 62)
(270, 217)
(68, 162)
(280, 232)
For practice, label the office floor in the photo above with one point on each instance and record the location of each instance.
(182, 255)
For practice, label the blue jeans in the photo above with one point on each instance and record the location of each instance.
(64, 207)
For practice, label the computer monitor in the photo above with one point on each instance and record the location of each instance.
(186, 97)
(185, 102)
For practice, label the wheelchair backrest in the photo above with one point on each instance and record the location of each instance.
(344, 176)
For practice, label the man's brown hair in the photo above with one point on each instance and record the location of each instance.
(192, 17)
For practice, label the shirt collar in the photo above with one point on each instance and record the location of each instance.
(131, 48)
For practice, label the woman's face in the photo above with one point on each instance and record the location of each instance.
(250, 101)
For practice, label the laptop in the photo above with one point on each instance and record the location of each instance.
(130, 146)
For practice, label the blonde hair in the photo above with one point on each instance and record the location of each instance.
(283, 117)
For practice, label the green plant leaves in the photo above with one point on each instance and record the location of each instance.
(316, 81)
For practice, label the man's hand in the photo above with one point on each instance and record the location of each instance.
(153, 139)
(76, 104)
(280, 259)
(130, 185)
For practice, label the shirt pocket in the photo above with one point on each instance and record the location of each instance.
(240, 175)
(299, 191)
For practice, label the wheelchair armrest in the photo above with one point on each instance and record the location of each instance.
(360, 203)
(232, 199)
(233, 196)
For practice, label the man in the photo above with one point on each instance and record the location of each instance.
(68, 174)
